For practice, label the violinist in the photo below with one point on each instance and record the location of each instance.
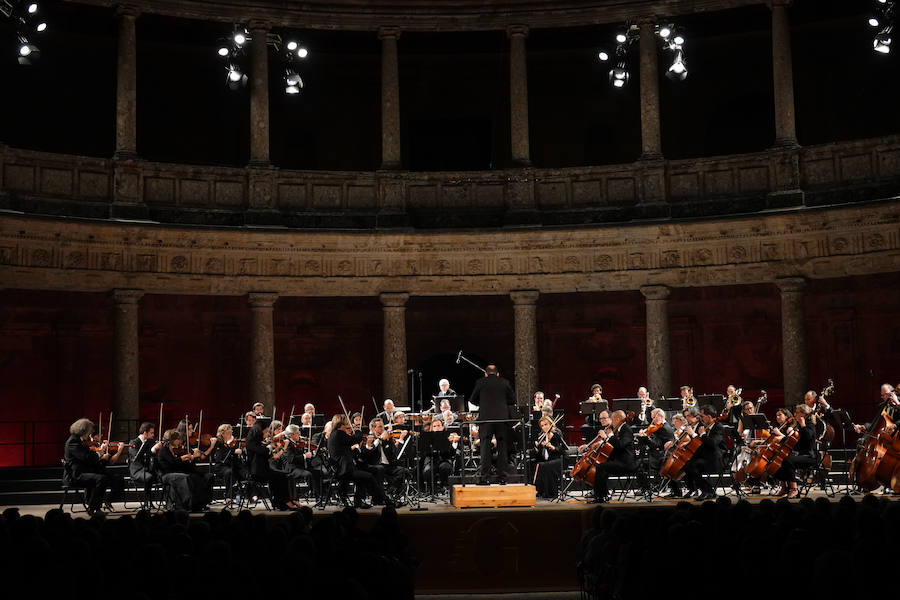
(298, 458)
(341, 443)
(381, 456)
(319, 462)
(249, 420)
(549, 450)
(228, 458)
(189, 489)
(804, 453)
(617, 433)
(656, 437)
(258, 456)
(140, 456)
(192, 437)
(84, 461)
(708, 457)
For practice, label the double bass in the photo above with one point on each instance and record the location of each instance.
(877, 462)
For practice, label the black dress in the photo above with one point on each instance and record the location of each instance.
(189, 489)
(260, 471)
(548, 465)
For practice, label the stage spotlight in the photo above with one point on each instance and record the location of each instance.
(604, 56)
(621, 38)
(41, 27)
(882, 42)
(664, 32)
(678, 40)
(28, 53)
(292, 45)
(874, 22)
(302, 52)
(223, 51)
(678, 71)
(32, 8)
(235, 79)
(618, 76)
(240, 38)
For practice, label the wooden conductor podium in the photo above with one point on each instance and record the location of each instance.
(483, 496)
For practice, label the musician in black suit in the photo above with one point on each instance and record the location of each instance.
(708, 457)
(493, 396)
(341, 445)
(440, 453)
(140, 456)
(621, 459)
(86, 464)
(380, 455)
(655, 442)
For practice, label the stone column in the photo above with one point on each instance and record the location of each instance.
(659, 354)
(525, 341)
(783, 75)
(651, 146)
(126, 380)
(126, 84)
(262, 349)
(259, 94)
(793, 339)
(394, 347)
(518, 95)
(390, 98)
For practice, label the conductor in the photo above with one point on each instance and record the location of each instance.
(493, 396)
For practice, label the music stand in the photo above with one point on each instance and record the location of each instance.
(717, 400)
(755, 421)
(635, 405)
(457, 403)
(589, 407)
(319, 420)
(670, 405)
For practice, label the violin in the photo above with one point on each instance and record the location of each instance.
(199, 440)
(113, 447)
(305, 444)
(652, 429)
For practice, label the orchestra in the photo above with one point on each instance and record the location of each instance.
(685, 454)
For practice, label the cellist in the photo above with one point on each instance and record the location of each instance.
(708, 457)
(679, 423)
(804, 453)
(617, 433)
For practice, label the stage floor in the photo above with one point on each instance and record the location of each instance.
(490, 550)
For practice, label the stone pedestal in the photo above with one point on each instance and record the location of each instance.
(525, 342)
(518, 95)
(262, 349)
(126, 379)
(390, 98)
(793, 339)
(259, 94)
(783, 75)
(394, 347)
(659, 354)
(126, 84)
(651, 145)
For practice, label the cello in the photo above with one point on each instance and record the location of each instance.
(679, 455)
(776, 449)
(598, 451)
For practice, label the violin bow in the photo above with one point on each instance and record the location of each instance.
(109, 426)
(159, 431)
(291, 419)
(100, 425)
(375, 404)
(199, 427)
(344, 408)
(187, 437)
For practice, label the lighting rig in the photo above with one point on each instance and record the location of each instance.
(232, 50)
(25, 16)
(883, 22)
(672, 40)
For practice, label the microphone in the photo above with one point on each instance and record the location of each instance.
(458, 356)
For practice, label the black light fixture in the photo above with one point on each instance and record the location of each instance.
(883, 21)
(232, 50)
(672, 41)
(28, 22)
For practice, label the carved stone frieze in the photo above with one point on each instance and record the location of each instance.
(59, 254)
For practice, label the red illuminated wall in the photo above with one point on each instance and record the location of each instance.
(56, 350)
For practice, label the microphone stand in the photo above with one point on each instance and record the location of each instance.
(461, 357)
